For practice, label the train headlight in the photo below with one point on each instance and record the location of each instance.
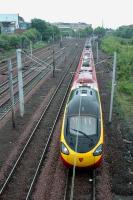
(98, 150)
(64, 149)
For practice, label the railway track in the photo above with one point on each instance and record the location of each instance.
(19, 183)
(80, 185)
(5, 106)
(5, 85)
(3, 70)
(36, 52)
(44, 55)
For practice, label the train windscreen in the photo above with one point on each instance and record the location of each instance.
(82, 125)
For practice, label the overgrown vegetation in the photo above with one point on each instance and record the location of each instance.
(14, 41)
(124, 49)
(43, 31)
(125, 31)
(39, 31)
(39, 34)
(124, 62)
(99, 31)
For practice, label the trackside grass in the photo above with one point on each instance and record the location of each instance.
(124, 74)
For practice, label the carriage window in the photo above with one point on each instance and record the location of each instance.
(82, 124)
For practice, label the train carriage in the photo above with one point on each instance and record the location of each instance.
(82, 128)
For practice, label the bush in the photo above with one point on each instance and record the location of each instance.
(125, 31)
(14, 41)
(32, 34)
(124, 68)
(126, 87)
(110, 44)
(39, 44)
(24, 41)
(4, 42)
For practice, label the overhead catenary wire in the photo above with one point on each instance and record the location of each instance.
(37, 60)
(40, 62)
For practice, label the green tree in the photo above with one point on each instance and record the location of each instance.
(4, 42)
(41, 26)
(24, 41)
(46, 29)
(124, 31)
(56, 32)
(14, 41)
(99, 31)
(88, 30)
(32, 34)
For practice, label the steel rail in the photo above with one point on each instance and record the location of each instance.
(3, 114)
(94, 186)
(29, 85)
(92, 182)
(32, 134)
(43, 60)
(6, 86)
(35, 51)
(66, 187)
(48, 142)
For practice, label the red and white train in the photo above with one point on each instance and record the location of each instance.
(82, 127)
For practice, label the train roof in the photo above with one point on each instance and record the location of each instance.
(86, 99)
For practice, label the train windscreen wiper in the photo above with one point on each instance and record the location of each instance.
(81, 132)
